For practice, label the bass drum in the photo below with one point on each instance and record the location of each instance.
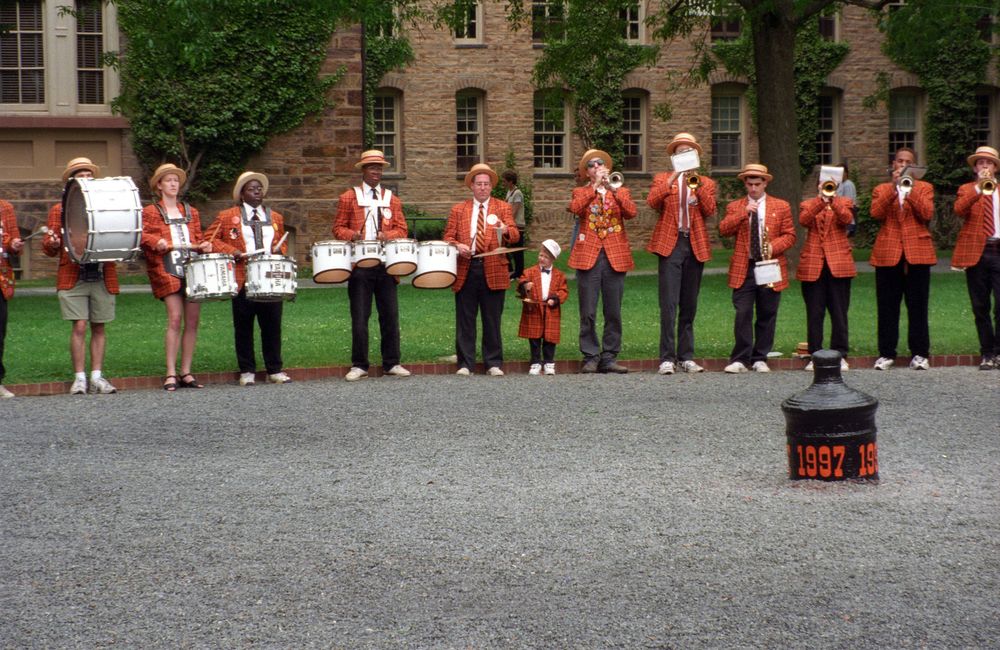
(102, 219)
(437, 265)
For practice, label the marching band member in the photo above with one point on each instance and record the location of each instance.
(545, 286)
(86, 294)
(477, 226)
(170, 229)
(248, 227)
(903, 255)
(10, 244)
(826, 267)
(371, 212)
(601, 255)
(978, 250)
(756, 240)
(681, 243)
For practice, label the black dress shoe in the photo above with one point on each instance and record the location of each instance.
(589, 367)
(613, 367)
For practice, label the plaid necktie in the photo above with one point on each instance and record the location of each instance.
(481, 230)
(685, 216)
(258, 234)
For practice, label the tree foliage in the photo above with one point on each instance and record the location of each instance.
(385, 49)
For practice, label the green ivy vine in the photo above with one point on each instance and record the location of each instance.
(385, 50)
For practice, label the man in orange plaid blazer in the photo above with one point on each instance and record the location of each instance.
(601, 255)
(680, 242)
(476, 226)
(544, 289)
(754, 340)
(86, 294)
(978, 251)
(372, 212)
(903, 256)
(826, 267)
(10, 244)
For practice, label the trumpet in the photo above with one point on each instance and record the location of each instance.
(693, 182)
(987, 185)
(829, 188)
(906, 182)
(615, 180)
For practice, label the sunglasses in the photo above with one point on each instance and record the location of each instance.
(596, 162)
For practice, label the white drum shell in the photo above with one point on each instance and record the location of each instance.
(271, 278)
(437, 265)
(331, 261)
(102, 219)
(367, 253)
(401, 256)
(210, 277)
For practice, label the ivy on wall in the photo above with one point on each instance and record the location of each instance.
(385, 50)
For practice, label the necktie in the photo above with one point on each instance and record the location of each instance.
(481, 230)
(755, 253)
(988, 214)
(258, 235)
(374, 215)
(685, 217)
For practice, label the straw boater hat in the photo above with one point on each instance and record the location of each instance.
(553, 247)
(371, 157)
(988, 153)
(481, 168)
(163, 170)
(595, 153)
(79, 164)
(754, 170)
(683, 138)
(245, 178)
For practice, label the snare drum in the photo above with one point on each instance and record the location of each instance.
(367, 253)
(400, 256)
(102, 219)
(210, 277)
(437, 265)
(271, 278)
(331, 261)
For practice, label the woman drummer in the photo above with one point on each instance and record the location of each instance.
(170, 231)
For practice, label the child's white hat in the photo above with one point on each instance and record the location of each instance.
(553, 247)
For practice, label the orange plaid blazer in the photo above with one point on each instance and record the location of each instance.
(904, 229)
(154, 228)
(8, 224)
(974, 210)
(226, 233)
(69, 271)
(826, 239)
(665, 199)
(538, 320)
(351, 217)
(780, 232)
(459, 231)
(588, 245)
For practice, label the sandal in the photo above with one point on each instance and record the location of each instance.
(188, 381)
(170, 383)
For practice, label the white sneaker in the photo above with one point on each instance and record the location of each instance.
(535, 369)
(809, 367)
(101, 386)
(495, 372)
(735, 367)
(760, 366)
(884, 363)
(355, 374)
(4, 393)
(691, 366)
(247, 379)
(666, 368)
(550, 369)
(398, 371)
(463, 372)
(843, 365)
(919, 363)
(279, 378)
(79, 387)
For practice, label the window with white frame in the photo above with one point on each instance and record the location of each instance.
(827, 150)
(983, 120)
(386, 114)
(549, 131)
(634, 130)
(904, 122)
(727, 128)
(89, 51)
(468, 129)
(548, 19)
(470, 29)
(632, 16)
(22, 53)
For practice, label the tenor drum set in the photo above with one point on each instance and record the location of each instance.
(435, 263)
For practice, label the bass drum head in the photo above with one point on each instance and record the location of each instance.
(76, 224)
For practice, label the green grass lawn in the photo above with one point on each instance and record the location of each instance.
(317, 328)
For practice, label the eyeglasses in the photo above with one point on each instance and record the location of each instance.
(596, 162)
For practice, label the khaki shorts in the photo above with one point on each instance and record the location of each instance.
(88, 301)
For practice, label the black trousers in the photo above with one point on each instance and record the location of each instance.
(827, 294)
(363, 284)
(3, 334)
(475, 297)
(680, 282)
(542, 351)
(893, 284)
(983, 280)
(268, 315)
(754, 340)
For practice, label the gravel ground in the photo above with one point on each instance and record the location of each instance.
(571, 511)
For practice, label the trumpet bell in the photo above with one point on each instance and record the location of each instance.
(693, 181)
(987, 186)
(829, 188)
(616, 180)
(906, 182)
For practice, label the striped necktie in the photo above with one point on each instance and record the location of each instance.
(481, 230)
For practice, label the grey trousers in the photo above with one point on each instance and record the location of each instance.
(600, 281)
(680, 282)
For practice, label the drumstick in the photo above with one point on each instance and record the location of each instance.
(40, 231)
(280, 242)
